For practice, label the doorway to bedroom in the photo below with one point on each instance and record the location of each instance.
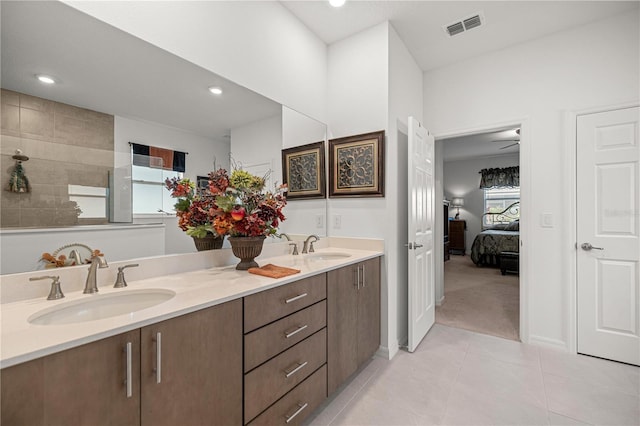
(481, 213)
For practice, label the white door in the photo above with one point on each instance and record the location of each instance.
(608, 249)
(420, 240)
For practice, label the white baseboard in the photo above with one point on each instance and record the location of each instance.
(549, 343)
(387, 353)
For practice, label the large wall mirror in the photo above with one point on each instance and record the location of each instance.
(111, 89)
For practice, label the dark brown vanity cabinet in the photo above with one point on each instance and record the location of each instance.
(191, 368)
(115, 381)
(353, 319)
(86, 385)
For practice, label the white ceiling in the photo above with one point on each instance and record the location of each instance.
(489, 144)
(104, 69)
(420, 23)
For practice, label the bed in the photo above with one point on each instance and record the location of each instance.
(500, 234)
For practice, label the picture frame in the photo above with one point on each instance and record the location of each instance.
(303, 170)
(357, 165)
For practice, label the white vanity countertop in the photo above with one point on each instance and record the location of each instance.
(22, 341)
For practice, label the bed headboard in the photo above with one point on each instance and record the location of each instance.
(506, 216)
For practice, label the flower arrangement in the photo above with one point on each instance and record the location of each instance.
(235, 205)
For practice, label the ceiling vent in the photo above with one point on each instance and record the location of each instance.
(463, 25)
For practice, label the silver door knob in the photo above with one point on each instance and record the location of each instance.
(588, 246)
(416, 245)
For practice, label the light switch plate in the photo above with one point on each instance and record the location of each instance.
(337, 221)
(547, 220)
(319, 221)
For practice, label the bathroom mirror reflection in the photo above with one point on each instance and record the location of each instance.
(111, 89)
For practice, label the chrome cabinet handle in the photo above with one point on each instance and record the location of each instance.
(358, 277)
(295, 370)
(294, 332)
(298, 297)
(588, 247)
(158, 368)
(129, 380)
(363, 275)
(298, 411)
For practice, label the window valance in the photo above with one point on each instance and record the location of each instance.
(506, 177)
(161, 158)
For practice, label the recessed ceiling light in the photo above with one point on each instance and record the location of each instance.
(336, 3)
(46, 79)
(215, 90)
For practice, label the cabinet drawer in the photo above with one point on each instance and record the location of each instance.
(268, 341)
(270, 305)
(297, 404)
(269, 382)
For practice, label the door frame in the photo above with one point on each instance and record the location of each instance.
(571, 232)
(525, 212)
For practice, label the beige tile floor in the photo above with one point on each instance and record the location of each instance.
(458, 377)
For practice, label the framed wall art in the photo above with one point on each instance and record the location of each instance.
(303, 171)
(357, 166)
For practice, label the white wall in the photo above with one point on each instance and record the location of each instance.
(259, 143)
(593, 65)
(358, 103)
(461, 179)
(23, 248)
(405, 99)
(259, 45)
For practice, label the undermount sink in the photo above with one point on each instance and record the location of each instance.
(316, 257)
(98, 306)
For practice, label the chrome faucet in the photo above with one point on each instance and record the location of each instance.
(285, 236)
(91, 285)
(120, 281)
(295, 248)
(55, 292)
(308, 245)
(75, 255)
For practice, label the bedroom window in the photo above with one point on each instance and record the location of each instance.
(497, 200)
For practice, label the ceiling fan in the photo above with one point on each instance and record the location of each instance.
(515, 141)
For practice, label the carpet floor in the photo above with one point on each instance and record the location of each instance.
(480, 299)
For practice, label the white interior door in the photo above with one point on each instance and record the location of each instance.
(608, 249)
(421, 187)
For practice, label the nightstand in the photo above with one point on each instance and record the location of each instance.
(457, 236)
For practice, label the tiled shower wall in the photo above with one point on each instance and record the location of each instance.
(66, 145)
